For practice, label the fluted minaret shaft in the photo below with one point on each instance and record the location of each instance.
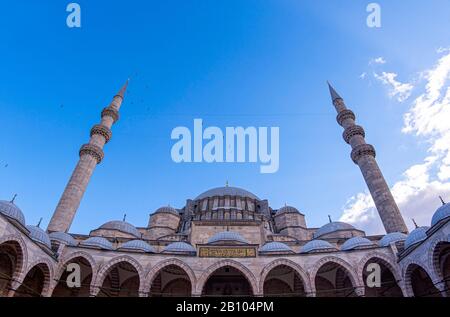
(91, 154)
(363, 155)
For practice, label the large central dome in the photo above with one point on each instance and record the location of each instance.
(227, 191)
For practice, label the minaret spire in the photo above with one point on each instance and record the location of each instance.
(91, 154)
(334, 95)
(363, 155)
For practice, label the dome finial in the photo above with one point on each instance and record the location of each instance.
(329, 219)
(39, 223)
(442, 200)
(14, 198)
(226, 184)
(124, 217)
(415, 223)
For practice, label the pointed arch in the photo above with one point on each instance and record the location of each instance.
(98, 281)
(66, 260)
(231, 263)
(21, 254)
(154, 271)
(294, 266)
(46, 266)
(355, 280)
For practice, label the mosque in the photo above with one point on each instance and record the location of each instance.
(226, 241)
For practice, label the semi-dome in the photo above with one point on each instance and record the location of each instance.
(98, 242)
(355, 243)
(332, 227)
(63, 237)
(122, 226)
(227, 191)
(139, 245)
(166, 209)
(416, 236)
(179, 247)
(317, 245)
(227, 236)
(275, 247)
(441, 213)
(392, 238)
(288, 209)
(11, 210)
(39, 235)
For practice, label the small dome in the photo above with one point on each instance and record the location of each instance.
(317, 245)
(179, 247)
(275, 247)
(227, 236)
(391, 238)
(332, 227)
(287, 209)
(122, 226)
(226, 191)
(138, 245)
(441, 213)
(166, 209)
(39, 235)
(63, 237)
(98, 242)
(355, 243)
(416, 236)
(11, 210)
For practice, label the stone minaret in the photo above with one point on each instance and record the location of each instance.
(363, 155)
(91, 154)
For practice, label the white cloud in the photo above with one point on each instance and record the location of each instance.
(397, 89)
(363, 75)
(417, 192)
(378, 60)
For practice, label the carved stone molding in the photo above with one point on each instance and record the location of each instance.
(92, 150)
(362, 150)
(351, 131)
(344, 115)
(113, 113)
(103, 131)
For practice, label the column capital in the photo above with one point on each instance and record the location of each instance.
(362, 150)
(92, 150)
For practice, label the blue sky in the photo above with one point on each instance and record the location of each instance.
(231, 63)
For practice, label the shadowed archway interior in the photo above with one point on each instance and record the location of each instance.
(227, 281)
(171, 281)
(283, 281)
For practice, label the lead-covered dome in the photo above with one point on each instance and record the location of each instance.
(227, 191)
(122, 226)
(441, 213)
(227, 236)
(288, 209)
(179, 247)
(317, 246)
(416, 236)
(39, 235)
(275, 247)
(356, 243)
(392, 238)
(166, 209)
(138, 245)
(11, 210)
(98, 242)
(332, 227)
(63, 237)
